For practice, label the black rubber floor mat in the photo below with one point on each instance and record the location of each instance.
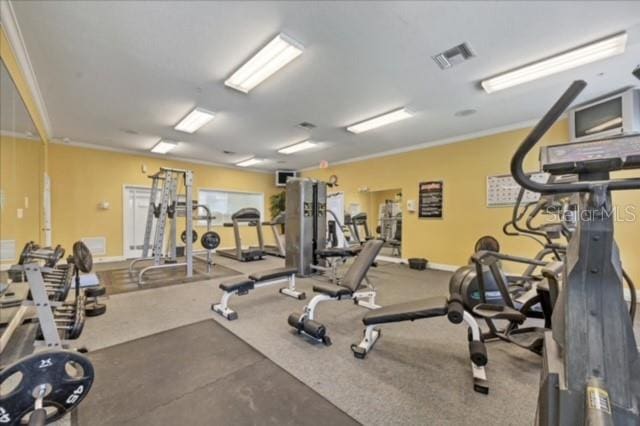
(200, 374)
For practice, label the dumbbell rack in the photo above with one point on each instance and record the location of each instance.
(58, 281)
(49, 322)
(166, 182)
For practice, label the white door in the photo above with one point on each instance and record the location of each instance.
(136, 205)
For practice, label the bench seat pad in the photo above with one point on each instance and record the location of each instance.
(271, 274)
(408, 311)
(239, 284)
(338, 252)
(332, 290)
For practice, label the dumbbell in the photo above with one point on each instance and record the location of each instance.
(92, 306)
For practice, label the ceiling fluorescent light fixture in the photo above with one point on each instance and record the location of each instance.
(249, 162)
(275, 55)
(592, 52)
(381, 120)
(301, 146)
(194, 120)
(163, 147)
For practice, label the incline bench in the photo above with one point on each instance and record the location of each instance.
(350, 287)
(431, 307)
(244, 285)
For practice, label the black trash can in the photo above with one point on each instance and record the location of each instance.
(418, 263)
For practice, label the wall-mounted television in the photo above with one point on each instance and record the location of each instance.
(282, 176)
(614, 115)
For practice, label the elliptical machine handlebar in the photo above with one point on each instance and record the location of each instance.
(543, 126)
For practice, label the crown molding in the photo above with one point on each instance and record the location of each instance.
(436, 143)
(86, 145)
(14, 36)
(18, 135)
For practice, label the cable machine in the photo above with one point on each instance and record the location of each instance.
(166, 183)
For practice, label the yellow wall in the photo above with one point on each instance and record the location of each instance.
(20, 165)
(464, 167)
(81, 178)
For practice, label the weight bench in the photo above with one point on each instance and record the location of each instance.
(333, 258)
(431, 307)
(242, 286)
(349, 288)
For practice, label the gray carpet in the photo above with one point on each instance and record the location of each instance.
(418, 373)
(198, 374)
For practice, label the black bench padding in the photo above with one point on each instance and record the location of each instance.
(338, 252)
(409, 311)
(240, 284)
(332, 290)
(272, 274)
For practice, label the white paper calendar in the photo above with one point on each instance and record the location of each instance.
(502, 190)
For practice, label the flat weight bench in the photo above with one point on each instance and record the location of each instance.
(242, 286)
(432, 307)
(349, 288)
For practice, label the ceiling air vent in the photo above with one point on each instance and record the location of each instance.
(454, 56)
(307, 125)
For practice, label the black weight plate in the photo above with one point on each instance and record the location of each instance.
(95, 309)
(210, 240)
(194, 236)
(95, 291)
(65, 391)
(82, 258)
(26, 250)
(56, 255)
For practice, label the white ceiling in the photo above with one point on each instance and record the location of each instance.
(107, 69)
(14, 118)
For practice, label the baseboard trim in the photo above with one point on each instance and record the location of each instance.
(105, 259)
(390, 259)
(442, 267)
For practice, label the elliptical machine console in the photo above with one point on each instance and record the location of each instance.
(591, 369)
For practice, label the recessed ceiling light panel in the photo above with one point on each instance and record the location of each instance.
(381, 120)
(194, 120)
(163, 147)
(249, 162)
(301, 146)
(592, 52)
(275, 55)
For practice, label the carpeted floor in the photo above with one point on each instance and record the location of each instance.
(199, 374)
(418, 373)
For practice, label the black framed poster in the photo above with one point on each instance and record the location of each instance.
(431, 200)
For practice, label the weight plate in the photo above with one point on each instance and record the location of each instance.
(56, 255)
(95, 291)
(210, 240)
(95, 309)
(66, 376)
(194, 236)
(82, 258)
(26, 250)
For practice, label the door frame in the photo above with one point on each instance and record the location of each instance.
(126, 187)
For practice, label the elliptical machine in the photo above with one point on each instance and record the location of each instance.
(591, 368)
